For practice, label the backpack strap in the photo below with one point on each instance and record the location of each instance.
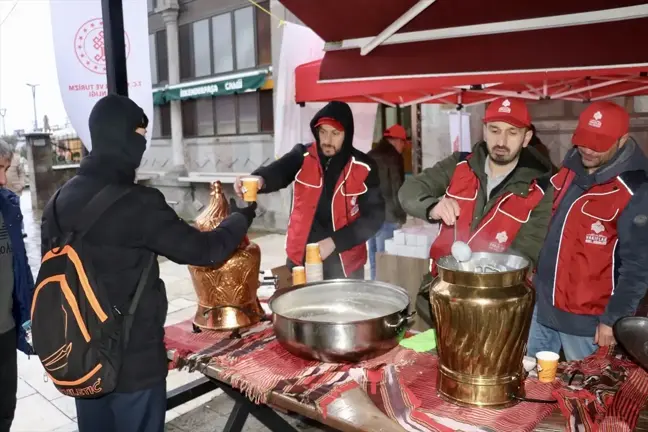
(143, 282)
(92, 211)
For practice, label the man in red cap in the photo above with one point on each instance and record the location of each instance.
(336, 201)
(391, 170)
(593, 268)
(495, 195)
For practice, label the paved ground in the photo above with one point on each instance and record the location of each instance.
(41, 408)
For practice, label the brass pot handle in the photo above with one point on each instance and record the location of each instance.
(404, 319)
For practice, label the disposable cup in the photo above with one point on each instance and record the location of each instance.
(313, 254)
(298, 275)
(547, 364)
(250, 188)
(314, 272)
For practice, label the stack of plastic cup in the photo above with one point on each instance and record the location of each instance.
(298, 275)
(314, 266)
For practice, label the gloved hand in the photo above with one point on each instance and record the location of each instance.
(249, 212)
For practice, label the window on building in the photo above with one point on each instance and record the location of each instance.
(153, 59)
(263, 35)
(225, 115)
(248, 113)
(222, 43)
(162, 121)
(244, 38)
(266, 111)
(151, 5)
(201, 49)
(184, 41)
(189, 118)
(161, 57)
(205, 117)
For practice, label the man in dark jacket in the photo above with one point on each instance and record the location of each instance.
(337, 201)
(16, 292)
(139, 223)
(391, 170)
(593, 268)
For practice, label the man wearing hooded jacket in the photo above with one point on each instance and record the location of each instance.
(121, 241)
(337, 201)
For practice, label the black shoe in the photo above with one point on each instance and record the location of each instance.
(24, 235)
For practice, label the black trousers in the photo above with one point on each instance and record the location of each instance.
(8, 379)
(141, 411)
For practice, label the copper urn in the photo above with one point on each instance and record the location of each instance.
(227, 293)
(482, 311)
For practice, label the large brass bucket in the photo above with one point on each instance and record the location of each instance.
(482, 320)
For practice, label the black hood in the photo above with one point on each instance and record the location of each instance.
(113, 122)
(340, 112)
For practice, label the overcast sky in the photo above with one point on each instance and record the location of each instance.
(27, 56)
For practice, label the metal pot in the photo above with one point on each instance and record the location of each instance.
(482, 316)
(632, 335)
(341, 320)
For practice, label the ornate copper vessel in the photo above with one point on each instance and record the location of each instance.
(482, 322)
(227, 294)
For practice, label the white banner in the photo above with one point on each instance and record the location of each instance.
(460, 131)
(301, 45)
(77, 30)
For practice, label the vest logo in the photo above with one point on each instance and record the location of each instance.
(597, 238)
(596, 120)
(354, 210)
(501, 237)
(354, 200)
(499, 245)
(506, 107)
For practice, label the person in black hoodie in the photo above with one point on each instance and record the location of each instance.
(336, 202)
(139, 223)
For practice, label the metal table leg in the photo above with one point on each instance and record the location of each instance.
(244, 407)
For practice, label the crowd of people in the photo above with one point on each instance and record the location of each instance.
(582, 229)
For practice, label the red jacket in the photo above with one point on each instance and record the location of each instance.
(498, 227)
(585, 265)
(344, 207)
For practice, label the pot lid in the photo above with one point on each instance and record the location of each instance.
(632, 334)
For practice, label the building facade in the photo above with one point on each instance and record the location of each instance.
(211, 66)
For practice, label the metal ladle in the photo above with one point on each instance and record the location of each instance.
(460, 250)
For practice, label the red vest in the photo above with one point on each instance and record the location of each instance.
(585, 264)
(497, 229)
(344, 207)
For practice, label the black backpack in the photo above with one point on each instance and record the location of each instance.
(77, 333)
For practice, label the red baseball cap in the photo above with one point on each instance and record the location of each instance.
(508, 110)
(600, 126)
(396, 131)
(330, 122)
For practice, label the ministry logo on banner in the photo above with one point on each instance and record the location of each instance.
(79, 47)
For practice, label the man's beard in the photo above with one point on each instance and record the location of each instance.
(505, 158)
(329, 150)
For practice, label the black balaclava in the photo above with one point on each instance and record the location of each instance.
(113, 122)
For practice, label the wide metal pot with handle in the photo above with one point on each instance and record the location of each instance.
(342, 320)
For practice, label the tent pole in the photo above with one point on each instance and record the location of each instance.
(114, 46)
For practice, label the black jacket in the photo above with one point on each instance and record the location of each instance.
(391, 171)
(138, 223)
(281, 173)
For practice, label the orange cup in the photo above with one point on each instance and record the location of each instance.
(547, 363)
(313, 254)
(298, 275)
(250, 188)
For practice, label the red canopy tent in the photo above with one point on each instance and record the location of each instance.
(601, 84)
(530, 47)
